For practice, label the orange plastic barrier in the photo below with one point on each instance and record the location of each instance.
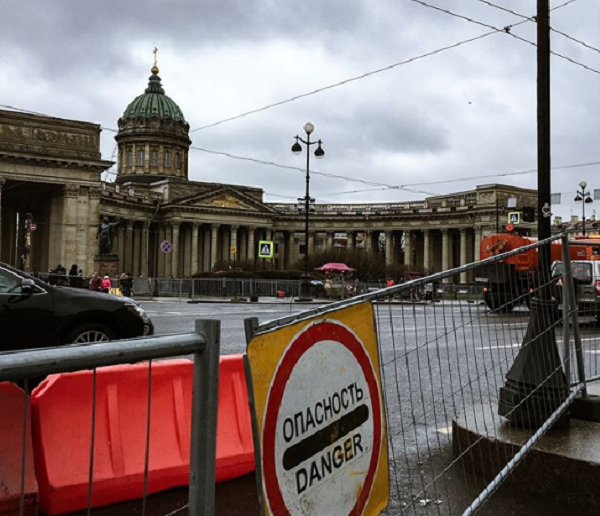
(235, 449)
(11, 449)
(62, 415)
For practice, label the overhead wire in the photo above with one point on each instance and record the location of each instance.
(302, 170)
(470, 178)
(506, 30)
(347, 81)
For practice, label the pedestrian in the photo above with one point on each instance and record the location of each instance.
(106, 284)
(73, 276)
(60, 272)
(126, 284)
(96, 283)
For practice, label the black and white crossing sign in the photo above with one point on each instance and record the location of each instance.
(322, 421)
(514, 217)
(265, 249)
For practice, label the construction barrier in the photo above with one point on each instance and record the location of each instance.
(62, 419)
(235, 448)
(11, 454)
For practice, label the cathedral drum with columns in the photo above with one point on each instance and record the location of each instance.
(53, 204)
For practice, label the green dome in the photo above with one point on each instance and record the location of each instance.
(154, 102)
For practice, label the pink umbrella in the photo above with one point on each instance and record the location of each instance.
(335, 267)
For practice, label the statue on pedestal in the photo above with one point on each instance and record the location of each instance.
(105, 236)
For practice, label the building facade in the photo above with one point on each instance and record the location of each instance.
(52, 200)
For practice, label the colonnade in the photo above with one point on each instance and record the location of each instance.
(181, 248)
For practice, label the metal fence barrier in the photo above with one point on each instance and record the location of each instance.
(204, 344)
(450, 367)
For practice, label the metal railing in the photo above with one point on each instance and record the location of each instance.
(204, 345)
(451, 381)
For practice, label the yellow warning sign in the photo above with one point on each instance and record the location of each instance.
(319, 411)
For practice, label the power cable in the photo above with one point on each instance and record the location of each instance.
(460, 179)
(303, 170)
(346, 81)
(507, 30)
(575, 40)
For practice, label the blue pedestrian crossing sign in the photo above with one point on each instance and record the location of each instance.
(514, 217)
(265, 249)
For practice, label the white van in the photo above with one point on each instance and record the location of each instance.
(586, 274)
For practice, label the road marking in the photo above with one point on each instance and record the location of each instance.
(500, 347)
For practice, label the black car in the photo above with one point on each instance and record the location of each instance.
(34, 314)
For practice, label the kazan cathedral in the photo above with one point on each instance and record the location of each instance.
(52, 201)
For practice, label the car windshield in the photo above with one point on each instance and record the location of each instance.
(582, 271)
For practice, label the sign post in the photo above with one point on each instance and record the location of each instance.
(319, 414)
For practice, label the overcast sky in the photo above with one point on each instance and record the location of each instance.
(464, 112)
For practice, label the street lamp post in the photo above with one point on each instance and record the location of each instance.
(584, 198)
(319, 153)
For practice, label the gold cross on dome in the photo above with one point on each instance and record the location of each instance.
(155, 52)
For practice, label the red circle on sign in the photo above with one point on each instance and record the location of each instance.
(306, 340)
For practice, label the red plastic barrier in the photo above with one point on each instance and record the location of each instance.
(11, 450)
(235, 449)
(62, 415)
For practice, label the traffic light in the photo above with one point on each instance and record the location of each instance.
(528, 214)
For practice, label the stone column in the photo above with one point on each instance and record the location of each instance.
(427, 254)
(311, 244)
(128, 261)
(477, 244)
(233, 238)
(463, 253)
(408, 249)
(161, 256)
(94, 217)
(195, 265)
(175, 253)
(168, 256)
(281, 254)
(206, 266)
(68, 253)
(289, 250)
(389, 248)
(137, 251)
(369, 242)
(145, 257)
(269, 235)
(121, 243)
(329, 240)
(82, 229)
(251, 244)
(243, 246)
(446, 250)
(214, 240)
(350, 243)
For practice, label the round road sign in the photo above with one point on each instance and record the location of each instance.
(322, 428)
(166, 246)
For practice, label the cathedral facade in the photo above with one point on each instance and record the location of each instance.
(52, 201)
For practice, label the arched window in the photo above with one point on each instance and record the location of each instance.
(130, 158)
(154, 158)
(167, 160)
(140, 158)
(178, 161)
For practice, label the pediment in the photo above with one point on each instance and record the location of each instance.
(225, 198)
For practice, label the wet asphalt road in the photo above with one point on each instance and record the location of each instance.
(436, 360)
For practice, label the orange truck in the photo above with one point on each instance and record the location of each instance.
(508, 282)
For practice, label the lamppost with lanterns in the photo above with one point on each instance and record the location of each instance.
(584, 198)
(319, 153)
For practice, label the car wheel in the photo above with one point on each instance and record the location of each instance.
(91, 332)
